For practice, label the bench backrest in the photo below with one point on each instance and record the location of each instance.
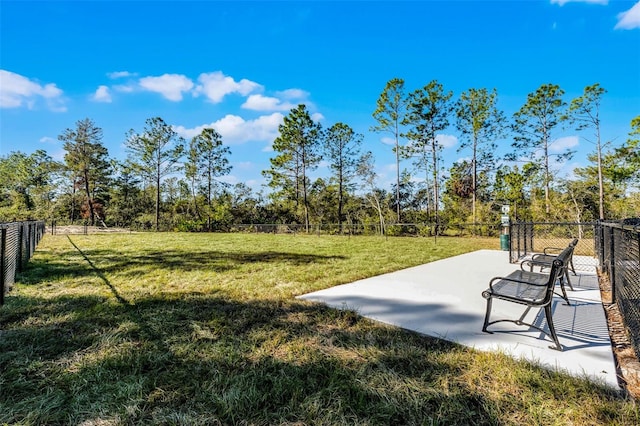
(557, 269)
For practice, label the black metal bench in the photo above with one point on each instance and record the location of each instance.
(531, 289)
(545, 259)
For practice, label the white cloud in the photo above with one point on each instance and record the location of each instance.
(446, 141)
(215, 86)
(17, 90)
(316, 116)
(229, 179)
(58, 155)
(563, 2)
(102, 94)
(389, 167)
(463, 159)
(564, 143)
(255, 183)
(125, 88)
(236, 130)
(630, 19)
(293, 94)
(266, 103)
(47, 139)
(120, 74)
(388, 141)
(244, 165)
(170, 86)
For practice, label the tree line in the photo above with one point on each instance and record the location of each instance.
(167, 182)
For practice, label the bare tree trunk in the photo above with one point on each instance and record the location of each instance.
(158, 199)
(92, 214)
(600, 184)
(474, 180)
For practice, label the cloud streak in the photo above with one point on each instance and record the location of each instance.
(215, 86)
(102, 94)
(19, 91)
(171, 86)
(266, 103)
(236, 130)
(630, 19)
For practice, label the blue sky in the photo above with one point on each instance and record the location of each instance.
(240, 66)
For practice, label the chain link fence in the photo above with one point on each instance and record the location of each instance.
(528, 238)
(389, 229)
(18, 241)
(619, 255)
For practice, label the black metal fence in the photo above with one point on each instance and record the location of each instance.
(618, 247)
(389, 229)
(527, 238)
(18, 241)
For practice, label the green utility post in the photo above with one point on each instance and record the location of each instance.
(504, 235)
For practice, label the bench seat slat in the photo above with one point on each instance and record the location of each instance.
(532, 291)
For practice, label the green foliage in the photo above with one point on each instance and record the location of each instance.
(124, 194)
(207, 159)
(428, 112)
(342, 150)
(629, 153)
(480, 123)
(584, 111)
(298, 153)
(87, 161)
(533, 127)
(155, 154)
(390, 114)
(27, 186)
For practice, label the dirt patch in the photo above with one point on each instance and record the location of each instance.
(627, 362)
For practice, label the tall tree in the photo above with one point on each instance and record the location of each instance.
(629, 152)
(584, 111)
(27, 185)
(155, 152)
(390, 114)
(297, 145)
(87, 159)
(207, 159)
(534, 124)
(342, 148)
(480, 123)
(125, 200)
(510, 186)
(368, 177)
(428, 112)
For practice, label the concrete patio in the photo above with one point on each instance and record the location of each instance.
(443, 299)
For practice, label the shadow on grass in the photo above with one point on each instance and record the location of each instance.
(207, 358)
(81, 358)
(203, 359)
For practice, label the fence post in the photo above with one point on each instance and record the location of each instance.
(3, 253)
(612, 264)
(20, 247)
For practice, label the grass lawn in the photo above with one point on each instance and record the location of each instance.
(204, 329)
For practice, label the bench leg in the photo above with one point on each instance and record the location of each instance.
(486, 316)
(564, 293)
(552, 329)
(566, 274)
